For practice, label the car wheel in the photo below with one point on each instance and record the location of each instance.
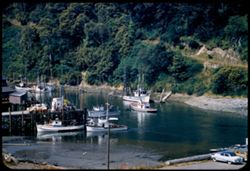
(214, 159)
(229, 162)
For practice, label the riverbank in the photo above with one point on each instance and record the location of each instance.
(237, 105)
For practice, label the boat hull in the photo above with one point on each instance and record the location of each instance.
(49, 128)
(92, 113)
(103, 129)
(148, 110)
(22, 88)
(144, 99)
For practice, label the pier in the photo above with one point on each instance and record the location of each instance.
(15, 113)
(24, 122)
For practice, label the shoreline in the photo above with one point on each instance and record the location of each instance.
(214, 103)
(237, 105)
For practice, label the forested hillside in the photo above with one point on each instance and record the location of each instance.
(193, 48)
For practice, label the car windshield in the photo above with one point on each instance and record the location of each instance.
(231, 153)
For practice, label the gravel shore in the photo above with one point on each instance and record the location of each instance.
(224, 104)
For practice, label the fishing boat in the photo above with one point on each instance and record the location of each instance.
(138, 95)
(143, 107)
(56, 126)
(100, 123)
(22, 87)
(100, 111)
(104, 126)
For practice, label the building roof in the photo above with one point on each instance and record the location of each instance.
(18, 93)
(7, 90)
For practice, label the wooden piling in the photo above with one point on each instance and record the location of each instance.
(9, 121)
(34, 123)
(31, 122)
(85, 118)
(22, 122)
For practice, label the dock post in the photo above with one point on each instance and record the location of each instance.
(9, 121)
(31, 123)
(85, 119)
(34, 123)
(22, 130)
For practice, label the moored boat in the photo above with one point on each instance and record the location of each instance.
(113, 127)
(143, 107)
(138, 95)
(22, 87)
(99, 124)
(100, 111)
(56, 126)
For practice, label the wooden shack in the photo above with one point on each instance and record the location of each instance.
(6, 91)
(18, 97)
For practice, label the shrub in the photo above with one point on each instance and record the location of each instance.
(230, 81)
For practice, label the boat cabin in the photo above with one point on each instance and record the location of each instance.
(56, 123)
(57, 104)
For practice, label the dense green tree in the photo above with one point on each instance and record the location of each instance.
(237, 33)
(117, 42)
(230, 81)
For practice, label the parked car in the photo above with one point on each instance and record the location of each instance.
(227, 156)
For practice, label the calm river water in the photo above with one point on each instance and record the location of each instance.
(176, 130)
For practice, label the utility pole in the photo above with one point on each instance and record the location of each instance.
(108, 143)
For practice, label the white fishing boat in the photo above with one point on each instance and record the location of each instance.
(138, 95)
(99, 124)
(56, 126)
(104, 127)
(22, 87)
(143, 107)
(100, 111)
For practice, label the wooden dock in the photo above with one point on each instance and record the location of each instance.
(24, 112)
(24, 122)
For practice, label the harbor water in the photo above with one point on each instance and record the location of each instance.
(176, 130)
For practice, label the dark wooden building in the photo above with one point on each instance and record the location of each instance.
(18, 97)
(6, 91)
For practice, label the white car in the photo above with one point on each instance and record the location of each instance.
(227, 156)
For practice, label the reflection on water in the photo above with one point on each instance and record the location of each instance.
(100, 138)
(91, 137)
(56, 136)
